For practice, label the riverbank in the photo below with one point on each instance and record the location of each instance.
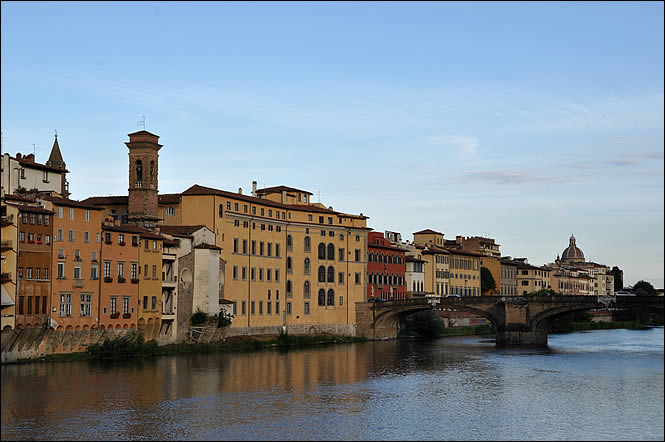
(234, 344)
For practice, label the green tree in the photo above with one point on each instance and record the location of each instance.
(487, 283)
(644, 288)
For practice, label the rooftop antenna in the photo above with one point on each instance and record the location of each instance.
(34, 149)
(56, 133)
(142, 122)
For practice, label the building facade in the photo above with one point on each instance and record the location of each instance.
(386, 269)
(508, 285)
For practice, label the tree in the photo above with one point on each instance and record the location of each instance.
(487, 283)
(644, 288)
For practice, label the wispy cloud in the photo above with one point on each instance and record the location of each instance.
(463, 144)
(510, 177)
(633, 158)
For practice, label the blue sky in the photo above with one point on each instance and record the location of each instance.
(522, 121)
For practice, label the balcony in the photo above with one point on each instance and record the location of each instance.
(7, 244)
(121, 279)
(78, 283)
(115, 315)
(7, 220)
(108, 279)
(135, 280)
(6, 277)
(169, 281)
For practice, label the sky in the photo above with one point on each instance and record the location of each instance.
(524, 122)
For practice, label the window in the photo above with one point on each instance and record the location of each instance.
(253, 247)
(28, 273)
(32, 218)
(330, 220)
(87, 215)
(331, 252)
(146, 245)
(154, 303)
(244, 303)
(269, 276)
(121, 239)
(269, 249)
(235, 272)
(60, 212)
(306, 289)
(244, 246)
(308, 244)
(320, 220)
(525, 282)
(341, 300)
(221, 210)
(289, 267)
(154, 271)
(145, 272)
(37, 272)
(71, 213)
(261, 302)
(322, 251)
(307, 267)
(322, 274)
(357, 278)
(288, 308)
(65, 304)
(277, 250)
(121, 270)
(47, 239)
(331, 274)
(331, 297)
(244, 273)
(235, 206)
(252, 303)
(135, 241)
(114, 305)
(357, 255)
(77, 272)
(289, 288)
(277, 275)
(261, 274)
(235, 245)
(253, 210)
(125, 305)
(340, 278)
(86, 304)
(61, 270)
(134, 271)
(289, 243)
(46, 220)
(306, 308)
(86, 236)
(261, 247)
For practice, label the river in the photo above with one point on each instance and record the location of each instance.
(596, 385)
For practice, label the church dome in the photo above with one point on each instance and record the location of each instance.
(572, 252)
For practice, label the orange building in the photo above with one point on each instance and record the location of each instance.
(119, 294)
(150, 283)
(75, 258)
(33, 265)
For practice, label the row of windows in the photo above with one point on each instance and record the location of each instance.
(264, 249)
(464, 291)
(245, 209)
(134, 270)
(508, 290)
(385, 278)
(262, 273)
(33, 218)
(31, 238)
(464, 263)
(32, 305)
(245, 225)
(387, 258)
(33, 273)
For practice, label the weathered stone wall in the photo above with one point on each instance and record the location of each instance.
(302, 329)
(31, 343)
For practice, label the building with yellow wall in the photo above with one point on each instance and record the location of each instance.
(150, 284)
(531, 278)
(289, 262)
(464, 273)
(437, 261)
(10, 214)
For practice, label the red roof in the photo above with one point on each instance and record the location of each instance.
(185, 231)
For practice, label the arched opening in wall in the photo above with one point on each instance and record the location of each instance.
(322, 274)
(322, 297)
(331, 252)
(331, 297)
(139, 173)
(6, 328)
(85, 327)
(308, 244)
(77, 328)
(69, 328)
(331, 274)
(322, 251)
(125, 326)
(101, 327)
(118, 327)
(133, 326)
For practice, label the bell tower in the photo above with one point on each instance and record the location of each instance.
(143, 161)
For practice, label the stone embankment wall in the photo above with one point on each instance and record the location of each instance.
(304, 329)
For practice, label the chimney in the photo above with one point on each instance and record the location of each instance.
(254, 188)
(458, 239)
(18, 155)
(283, 196)
(239, 190)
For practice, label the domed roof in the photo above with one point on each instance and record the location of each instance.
(572, 251)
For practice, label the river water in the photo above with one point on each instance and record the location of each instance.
(597, 385)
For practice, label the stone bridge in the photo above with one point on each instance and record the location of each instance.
(516, 319)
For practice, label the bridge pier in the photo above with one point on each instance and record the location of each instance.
(515, 334)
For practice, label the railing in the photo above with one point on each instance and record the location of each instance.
(170, 279)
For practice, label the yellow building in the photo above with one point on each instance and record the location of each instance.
(150, 284)
(9, 260)
(493, 264)
(531, 278)
(289, 262)
(437, 262)
(464, 272)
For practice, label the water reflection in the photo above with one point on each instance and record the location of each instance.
(584, 386)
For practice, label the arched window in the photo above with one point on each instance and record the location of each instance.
(331, 274)
(331, 252)
(331, 297)
(308, 244)
(289, 267)
(322, 274)
(305, 289)
(221, 210)
(414, 286)
(152, 169)
(289, 291)
(322, 251)
(322, 297)
(139, 171)
(307, 269)
(370, 257)
(289, 242)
